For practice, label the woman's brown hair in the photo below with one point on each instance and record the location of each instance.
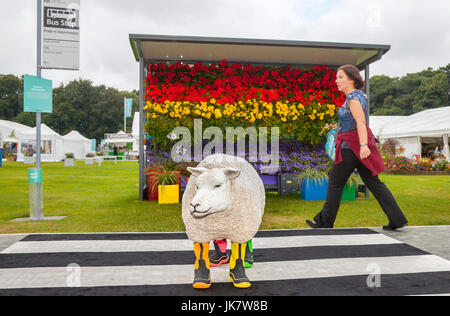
(353, 73)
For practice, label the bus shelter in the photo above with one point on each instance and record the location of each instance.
(189, 49)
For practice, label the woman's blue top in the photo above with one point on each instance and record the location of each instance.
(345, 116)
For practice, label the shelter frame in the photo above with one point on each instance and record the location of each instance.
(189, 49)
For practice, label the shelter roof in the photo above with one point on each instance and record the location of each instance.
(191, 49)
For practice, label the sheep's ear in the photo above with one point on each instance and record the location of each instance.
(232, 173)
(196, 171)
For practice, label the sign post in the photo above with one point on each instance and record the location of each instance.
(61, 34)
(58, 38)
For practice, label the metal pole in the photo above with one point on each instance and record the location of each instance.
(125, 115)
(142, 158)
(38, 115)
(367, 78)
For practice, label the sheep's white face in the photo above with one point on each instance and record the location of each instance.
(212, 190)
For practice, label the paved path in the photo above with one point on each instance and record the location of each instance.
(360, 261)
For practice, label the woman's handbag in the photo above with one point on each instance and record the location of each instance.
(330, 146)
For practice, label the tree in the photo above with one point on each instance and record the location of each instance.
(11, 94)
(410, 94)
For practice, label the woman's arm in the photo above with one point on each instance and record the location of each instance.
(358, 115)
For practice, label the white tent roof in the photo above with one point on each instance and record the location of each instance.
(118, 140)
(45, 132)
(434, 122)
(75, 136)
(378, 122)
(6, 127)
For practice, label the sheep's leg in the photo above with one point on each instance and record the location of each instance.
(237, 269)
(249, 259)
(202, 278)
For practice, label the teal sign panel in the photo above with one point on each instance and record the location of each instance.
(34, 175)
(128, 106)
(38, 95)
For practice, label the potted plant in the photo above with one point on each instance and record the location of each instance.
(89, 159)
(313, 184)
(159, 166)
(349, 192)
(70, 160)
(28, 158)
(167, 184)
(11, 157)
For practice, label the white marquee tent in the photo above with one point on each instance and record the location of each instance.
(77, 144)
(427, 126)
(7, 128)
(378, 122)
(52, 144)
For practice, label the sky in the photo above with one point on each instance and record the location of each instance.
(417, 30)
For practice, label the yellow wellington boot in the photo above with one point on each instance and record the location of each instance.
(237, 269)
(202, 278)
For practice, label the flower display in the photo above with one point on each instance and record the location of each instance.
(299, 101)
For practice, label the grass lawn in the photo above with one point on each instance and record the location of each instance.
(105, 199)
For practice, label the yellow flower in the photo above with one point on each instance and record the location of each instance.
(217, 113)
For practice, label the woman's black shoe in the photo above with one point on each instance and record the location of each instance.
(390, 228)
(312, 224)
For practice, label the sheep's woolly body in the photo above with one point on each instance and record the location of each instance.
(241, 221)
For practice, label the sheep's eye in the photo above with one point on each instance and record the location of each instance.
(217, 186)
(196, 187)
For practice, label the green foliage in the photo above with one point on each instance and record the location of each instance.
(410, 94)
(79, 105)
(11, 96)
(163, 178)
(317, 176)
(96, 110)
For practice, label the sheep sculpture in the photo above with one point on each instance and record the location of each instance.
(224, 199)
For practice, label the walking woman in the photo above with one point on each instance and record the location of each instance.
(356, 148)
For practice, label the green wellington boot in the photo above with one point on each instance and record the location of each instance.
(202, 278)
(237, 269)
(249, 257)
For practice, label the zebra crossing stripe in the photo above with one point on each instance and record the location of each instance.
(291, 262)
(186, 245)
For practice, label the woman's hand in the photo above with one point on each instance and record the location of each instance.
(365, 152)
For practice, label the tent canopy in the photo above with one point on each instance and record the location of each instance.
(6, 127)
(165, 48)
(377, 123)
(45, 132)
(76, 136)
(429, 123)
(118, 140)
(77, 144)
